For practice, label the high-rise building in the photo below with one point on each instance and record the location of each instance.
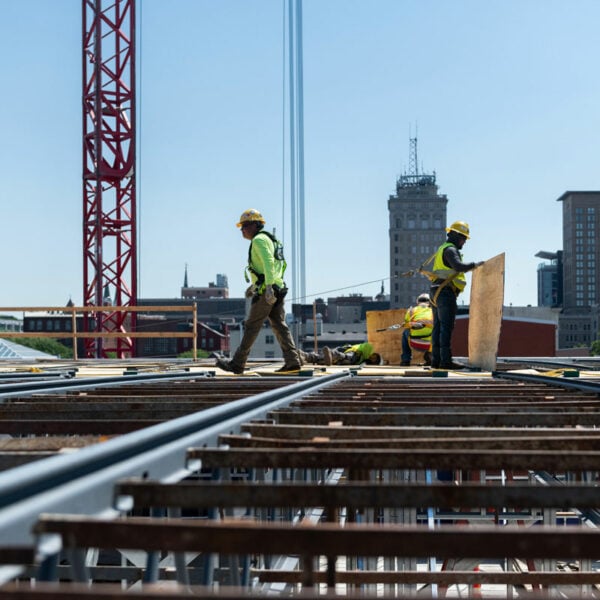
(578, 322)
(417, 228)
(549, 276)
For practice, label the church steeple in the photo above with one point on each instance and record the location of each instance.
(107, 301)
(185, 278)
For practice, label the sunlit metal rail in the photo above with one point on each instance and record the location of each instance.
(82, 482)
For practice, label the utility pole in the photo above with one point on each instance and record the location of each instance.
(109, 156)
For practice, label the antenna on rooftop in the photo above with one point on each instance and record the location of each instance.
(413, 160)
(413, 163)
(413, 177)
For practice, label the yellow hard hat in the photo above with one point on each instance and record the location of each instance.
(251, 215)
(459, 227)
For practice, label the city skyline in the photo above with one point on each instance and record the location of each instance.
(504, 114)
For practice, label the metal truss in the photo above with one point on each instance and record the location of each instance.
(109, 190)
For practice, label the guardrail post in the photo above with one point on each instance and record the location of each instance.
(195, 332)
(74, 330)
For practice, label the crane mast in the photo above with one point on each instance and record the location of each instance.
(109, 161)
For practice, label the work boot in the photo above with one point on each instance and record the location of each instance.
(427, 358)
(452, 366)
(288, 368)
(327, 356)
(405, 363)
(227, 365)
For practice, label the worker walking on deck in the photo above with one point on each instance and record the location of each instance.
(448, 281)
(266, 266)
(418, 324)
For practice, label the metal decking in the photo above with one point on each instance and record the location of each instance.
(383, 484)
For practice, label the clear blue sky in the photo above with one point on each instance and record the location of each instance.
(506, 95)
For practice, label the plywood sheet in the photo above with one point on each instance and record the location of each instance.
(485, 313)
(388, 342)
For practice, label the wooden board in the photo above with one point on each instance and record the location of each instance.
(485, 313)
(388, 343)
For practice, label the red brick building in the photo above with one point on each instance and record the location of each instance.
(518, 337)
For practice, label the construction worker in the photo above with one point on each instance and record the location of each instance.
(266, 266)
(418, 323)
(448, 281)
(344, 355)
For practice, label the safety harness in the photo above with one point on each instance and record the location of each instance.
(277, 254)
(433, 277)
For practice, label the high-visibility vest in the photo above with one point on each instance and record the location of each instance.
(419, 313)
(441, 271)
(266, 264)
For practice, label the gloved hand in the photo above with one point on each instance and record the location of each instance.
(417, 325)
(270, 295)
(250, 291)
(478, 264)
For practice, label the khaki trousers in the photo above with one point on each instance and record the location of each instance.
(275, 313)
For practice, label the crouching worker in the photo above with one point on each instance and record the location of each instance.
(418, 324)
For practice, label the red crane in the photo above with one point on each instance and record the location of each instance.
(109, 190)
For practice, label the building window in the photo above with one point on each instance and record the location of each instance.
(269, 354)
(269, 339)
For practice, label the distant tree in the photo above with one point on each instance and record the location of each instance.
(46, 345)
(595, 348)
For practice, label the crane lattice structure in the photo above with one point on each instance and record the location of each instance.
(109, 190)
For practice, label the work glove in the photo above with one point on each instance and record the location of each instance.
(250, 291)
(478, 264)
(417, 325)
(270, 295)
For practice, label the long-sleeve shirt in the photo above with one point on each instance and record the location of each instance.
(263, 262)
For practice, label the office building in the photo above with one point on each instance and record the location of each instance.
(578, 323)
(417, 228)
(549, 279)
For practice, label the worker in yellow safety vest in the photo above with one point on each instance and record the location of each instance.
(418, 325)
(266, 266)
(447, 282)
(355, 354)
